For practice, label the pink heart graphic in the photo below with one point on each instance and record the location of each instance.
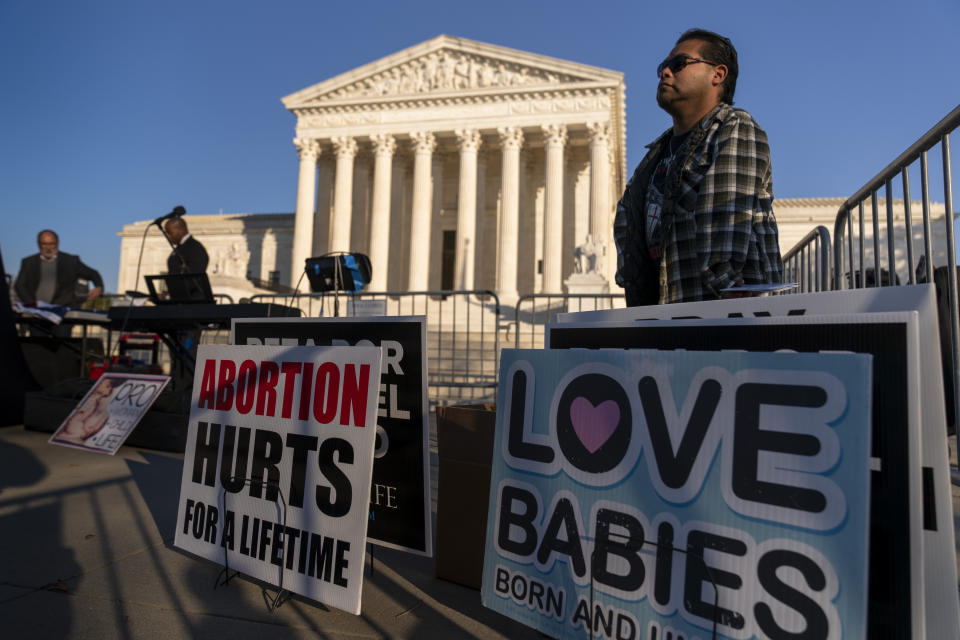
(594, 425)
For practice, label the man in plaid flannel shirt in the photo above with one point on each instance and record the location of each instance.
(697, 216)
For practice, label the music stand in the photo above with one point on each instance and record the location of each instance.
(338, 271)
(180, 288)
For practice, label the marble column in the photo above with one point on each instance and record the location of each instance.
(424, 145)
(383, 145)
(511, 139)
(600, 223)
(469, 142)
(481, 279)
(309, 151)
(346, 149)
(555, 137)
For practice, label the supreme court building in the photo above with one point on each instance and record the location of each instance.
(454, 164)
(461, 165)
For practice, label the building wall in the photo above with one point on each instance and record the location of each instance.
(259, 245)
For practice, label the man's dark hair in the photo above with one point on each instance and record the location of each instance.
(55, 236)
(717, 49)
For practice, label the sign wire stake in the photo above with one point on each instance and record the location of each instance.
(272, 602)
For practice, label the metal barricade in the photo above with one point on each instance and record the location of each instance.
(463, 332)
(808, 262)
(853, 257)
(857, 264)
(534, 311)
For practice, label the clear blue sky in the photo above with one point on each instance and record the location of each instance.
(114, 111)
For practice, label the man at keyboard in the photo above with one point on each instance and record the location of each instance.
(189, 256)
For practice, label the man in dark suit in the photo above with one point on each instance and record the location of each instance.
(52, 275)
(189, 256)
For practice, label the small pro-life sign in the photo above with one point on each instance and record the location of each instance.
(641, 494)
(276, 472)
(113, 406)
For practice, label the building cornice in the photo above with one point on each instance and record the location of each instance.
(458, 98)
(836, 203)
(220, 223)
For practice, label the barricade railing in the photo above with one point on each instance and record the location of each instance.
(534, 311)
(463, 332)
(852, 259)
(808, 263)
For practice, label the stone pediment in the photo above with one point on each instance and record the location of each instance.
(446, 65)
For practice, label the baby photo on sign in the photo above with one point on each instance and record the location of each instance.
(109, 412)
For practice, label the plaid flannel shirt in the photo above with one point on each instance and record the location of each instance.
(717, 220)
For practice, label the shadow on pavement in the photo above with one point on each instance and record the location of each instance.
(420, 605)
(158, 480)
(20, 468)
(36, 567)
(419, 571)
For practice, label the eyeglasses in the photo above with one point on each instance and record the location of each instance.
(677, 63)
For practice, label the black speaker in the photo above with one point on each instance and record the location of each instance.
(51, 360)
(164, 427)
(338, 272)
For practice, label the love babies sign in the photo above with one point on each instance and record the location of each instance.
(647, 494)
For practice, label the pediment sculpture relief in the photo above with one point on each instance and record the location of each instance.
(448, 71)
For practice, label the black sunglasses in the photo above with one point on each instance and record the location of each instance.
(677, 63)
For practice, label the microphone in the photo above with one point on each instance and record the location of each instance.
(176, 213)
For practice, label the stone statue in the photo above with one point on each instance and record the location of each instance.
(238, 258)
(586, 255)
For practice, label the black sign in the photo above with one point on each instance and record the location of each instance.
(400, 491)
(889, 590)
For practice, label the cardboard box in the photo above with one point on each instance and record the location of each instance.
(465, 451)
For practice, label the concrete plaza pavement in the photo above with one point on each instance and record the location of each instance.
(87, 552)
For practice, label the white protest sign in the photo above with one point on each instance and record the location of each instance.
(109, 411)
(936, 593)
(276, 472)
(640, 494)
